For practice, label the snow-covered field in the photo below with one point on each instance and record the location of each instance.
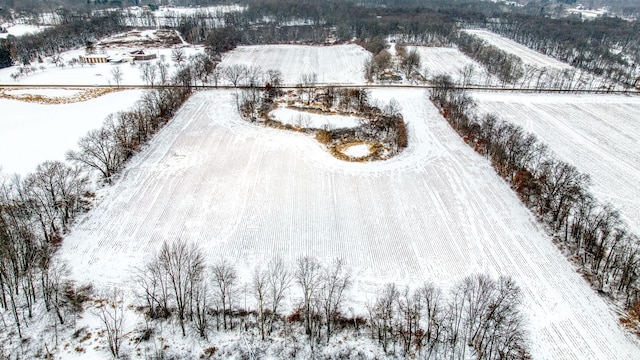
(20, 29)
(33, 133)
(339, 64)
(527, 55)
(448, 61)
(306, 119)
(437, 211)
(599, 134)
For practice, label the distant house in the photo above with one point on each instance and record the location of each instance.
(94, 59)
(141, 55)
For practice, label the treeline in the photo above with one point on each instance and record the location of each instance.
(506, 67)
(76, 30)
(479, 317)
(37, 211)
(589, 231)
(509, 69)
(107, 149)
(286, 21)
(606, 46)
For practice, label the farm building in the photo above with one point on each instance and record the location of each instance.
(141, 55)
(92, 59)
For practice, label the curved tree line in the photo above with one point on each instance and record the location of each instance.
(589, 231)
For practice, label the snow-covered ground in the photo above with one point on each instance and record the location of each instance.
(305, 119)
(20, 29)
(448, 61)
(589, 14)
(436, 212)
(339, 64)
(356, 151)
(90, 74)
(34, 133)
(527, 55)
(599, 134)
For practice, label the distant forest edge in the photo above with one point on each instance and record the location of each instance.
(605, 46)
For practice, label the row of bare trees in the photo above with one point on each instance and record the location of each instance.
(605, 46)
(480, 317)
(508, 68)
(107, 149)
(590, 231)
(177, 283)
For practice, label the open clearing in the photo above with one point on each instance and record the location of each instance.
(339, 64)
(20, 29)
(599, 134)
(436, 212)
(33, 133)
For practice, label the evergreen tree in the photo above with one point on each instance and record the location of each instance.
(5, 54)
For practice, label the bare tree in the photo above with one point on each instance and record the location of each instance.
(254, 76)
(274, 78)
(410, 64)
(217, 74)
(308, 276)
(433, 315)
(335, 281)
(381, 316)
(148, 72)
(110, 310)
(183, 263)
(235, 74)
(308, 83)
(466, 74)
(260, 291)
(116, 75)
(97, 151)
(279, 280)
(163, 72)
(57, 195)
(225, 280)
(201, 306)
